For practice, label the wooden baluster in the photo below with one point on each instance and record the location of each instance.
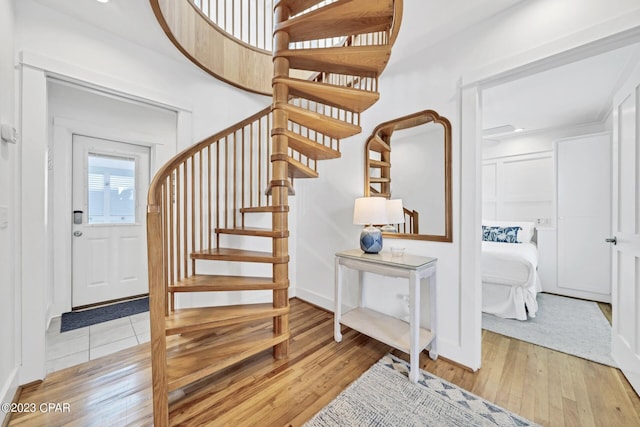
(268, 154)
(201, 190)
(171, 227)
(185, 215)
(251, 164)
(166, 204)
(242, 168)
(209, 199)
(259, 144)
(217, 191)
(226, 182)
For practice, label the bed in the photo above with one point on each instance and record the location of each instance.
(509, 262)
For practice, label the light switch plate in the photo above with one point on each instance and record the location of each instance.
(8, 133)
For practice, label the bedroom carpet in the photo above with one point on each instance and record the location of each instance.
(564, 324)
(384, 396)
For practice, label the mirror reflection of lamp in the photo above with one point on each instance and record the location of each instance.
(395, 215)
(369, 211)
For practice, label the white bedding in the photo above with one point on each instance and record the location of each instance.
(509, 279)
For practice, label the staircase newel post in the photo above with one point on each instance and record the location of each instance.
(279, 179)
(157, 308)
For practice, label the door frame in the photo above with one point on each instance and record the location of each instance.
(34, 276)
(469, 100)
(62, 138)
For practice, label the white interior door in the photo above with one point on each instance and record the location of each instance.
(584, 217)
(110, 181)
(626, 230)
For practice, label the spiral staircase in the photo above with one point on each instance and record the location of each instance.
(200, 203)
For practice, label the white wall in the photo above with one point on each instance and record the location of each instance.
(427, 76)
(133, 68)
(518, 177)
(9, 309)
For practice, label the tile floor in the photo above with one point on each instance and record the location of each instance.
(81, 345)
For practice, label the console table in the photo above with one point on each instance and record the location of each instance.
(409, 338)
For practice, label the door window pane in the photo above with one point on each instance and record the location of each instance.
(111, 185)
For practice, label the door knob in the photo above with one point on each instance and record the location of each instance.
(77, 233)
(613, 240)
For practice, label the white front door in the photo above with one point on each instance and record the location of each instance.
(110, 182)
(626, 230)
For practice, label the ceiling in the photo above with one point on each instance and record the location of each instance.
(132, 20)
(574, 94)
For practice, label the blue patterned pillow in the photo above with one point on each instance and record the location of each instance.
(500, 234)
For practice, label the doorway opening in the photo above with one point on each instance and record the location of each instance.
(104, 149)
(523, 119)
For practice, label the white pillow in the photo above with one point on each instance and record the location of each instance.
(524, 236)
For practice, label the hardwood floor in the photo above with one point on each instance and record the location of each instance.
(548, 387)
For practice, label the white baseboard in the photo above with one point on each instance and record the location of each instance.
(8, 391)
(315, 299)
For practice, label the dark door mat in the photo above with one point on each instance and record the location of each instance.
(79, 319)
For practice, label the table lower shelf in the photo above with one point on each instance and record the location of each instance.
(384, 328)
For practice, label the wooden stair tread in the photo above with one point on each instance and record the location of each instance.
(350, 99)
(365, 61)
(300, 170)
(252, 231)
(332, 127)
(241, 255)
(342, 18)
(263, 209)
(297, 6)
(377, 144)
(378, 164)
(200, 318)
(308, 147)
(212, 283)
(191, 359)
(379, 180)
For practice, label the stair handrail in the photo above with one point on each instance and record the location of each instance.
(167, 168)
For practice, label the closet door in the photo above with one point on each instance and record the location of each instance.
(584, 216)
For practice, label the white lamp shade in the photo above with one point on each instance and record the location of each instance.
(395, 212)
(370, 210)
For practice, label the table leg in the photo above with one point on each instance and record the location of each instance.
(361, 300)
(414, 326)
(433, 351)
(337, 334)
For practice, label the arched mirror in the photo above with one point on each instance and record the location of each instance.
(409, 158)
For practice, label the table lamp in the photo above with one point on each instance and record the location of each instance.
(369, 211)
(395, 215)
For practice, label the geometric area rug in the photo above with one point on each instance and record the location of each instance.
(568, 325)
(384, 396)
(80, 319)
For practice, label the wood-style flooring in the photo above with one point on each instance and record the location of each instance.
(548, 387)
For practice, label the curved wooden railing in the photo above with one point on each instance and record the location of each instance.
(203, 188)
(214, 33)
(248, 21)
(411, 221)
(211, 48)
